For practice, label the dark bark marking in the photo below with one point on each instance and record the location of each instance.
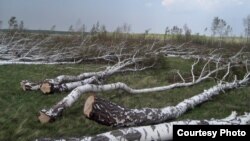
(133, 136)
(117, 133)
(145, 133)
(100, 138)
(203, 122)
(153, 127)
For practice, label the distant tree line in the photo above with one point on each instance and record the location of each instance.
(220, 29)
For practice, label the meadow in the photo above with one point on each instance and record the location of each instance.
(19, 109)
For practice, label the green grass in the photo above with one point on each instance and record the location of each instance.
(19, 109)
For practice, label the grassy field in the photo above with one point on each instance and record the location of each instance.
(19, 109)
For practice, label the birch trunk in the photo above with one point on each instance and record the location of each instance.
(48, 88)
(162, 131)
(160, 115)
(111, 114)
(29, 86)
(2, 62)
(108, 71)
(64, 83)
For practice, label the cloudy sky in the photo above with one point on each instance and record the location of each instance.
(140, 14)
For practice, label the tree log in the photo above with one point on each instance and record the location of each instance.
(34, 63)
(64, 83)
(162, 114)
(162, 131)
(111, 114)
(48, 88)
(29, 86)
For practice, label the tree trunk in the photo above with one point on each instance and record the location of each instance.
(162, 131)
(111, 114)
(64, 83)
(29, 86)
(160, 114)
(48, 88)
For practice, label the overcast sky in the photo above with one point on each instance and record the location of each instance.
(140, 14)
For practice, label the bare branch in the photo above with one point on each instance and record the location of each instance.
(226, 74)
(192, 69)
(183, 80)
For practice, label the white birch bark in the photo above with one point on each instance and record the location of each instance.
(34, 63)
(108, 71)
(53, 85)
(163, 132)
(29, 86)
(56, 85)
(59, 84)
(160, 115)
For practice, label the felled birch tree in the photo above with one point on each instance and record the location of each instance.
(163, 131)
(56, 111)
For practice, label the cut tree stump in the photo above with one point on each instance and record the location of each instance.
(43, 118)
(47, 88)
(88, 106)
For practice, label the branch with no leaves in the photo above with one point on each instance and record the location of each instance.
(57, 110)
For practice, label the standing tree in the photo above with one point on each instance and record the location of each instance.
(187, 32)
(83, 28)
(126, 29)
(219, 27)
(95, 29)
(13, 23)
(71, 29)
(228, 30)
(146, 33)
(167, 31)
(21, 26)
(247, 27)
(214, 26)
(1, 23)
(78, 25)
(103, 32)
(53, 28)
(176, 32)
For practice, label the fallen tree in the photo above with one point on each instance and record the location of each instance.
(111, 114)
(56, 111)
(59, 82)
(162, 131)
(22, 48)
(64, 83)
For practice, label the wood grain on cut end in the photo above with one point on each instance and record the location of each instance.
(88, 105)
(43, 118)
(46, 88)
